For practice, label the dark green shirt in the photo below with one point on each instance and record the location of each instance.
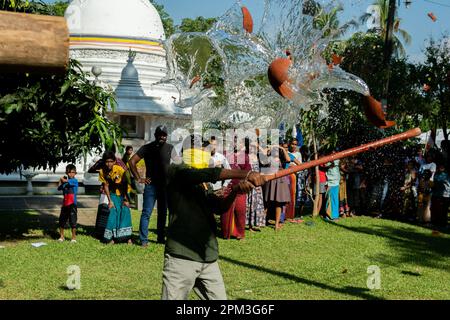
(192, 225)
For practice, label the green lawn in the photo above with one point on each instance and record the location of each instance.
(320, 261)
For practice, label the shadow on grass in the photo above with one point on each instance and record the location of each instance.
(409, 273)
(353, 291)
(411, 246)
(18, 225)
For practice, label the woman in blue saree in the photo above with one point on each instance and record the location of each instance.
(112, 176)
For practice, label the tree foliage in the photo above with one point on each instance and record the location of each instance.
(45, 120)
(400, 35)
(56, 8)
(199, 24)
(435, 73)
(167, 21)
(328, 21)
(48, 119)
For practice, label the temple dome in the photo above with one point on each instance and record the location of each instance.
(129, 19)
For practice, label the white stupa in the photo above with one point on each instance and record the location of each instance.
(123, 40)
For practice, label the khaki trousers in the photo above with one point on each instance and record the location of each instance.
(180, 276)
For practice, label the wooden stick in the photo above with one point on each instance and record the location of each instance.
(346, 153)
(33, 43)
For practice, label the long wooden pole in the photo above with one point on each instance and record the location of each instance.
(33, 43)
(346, 153)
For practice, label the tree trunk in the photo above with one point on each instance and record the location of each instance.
(316, 209)
(33, 43)
(443, 113)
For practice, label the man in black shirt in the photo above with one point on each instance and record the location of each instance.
(156, 155)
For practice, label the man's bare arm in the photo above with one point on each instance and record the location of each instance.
(254, 177)
(133, 162)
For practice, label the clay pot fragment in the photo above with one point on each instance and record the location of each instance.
(194, 80)
(337, 60)
(278, 77)
(374, 113)
(247, 20)
(432, 16)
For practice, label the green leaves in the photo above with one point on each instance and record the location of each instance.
(167, 21)
(45, 120)
(199, 24)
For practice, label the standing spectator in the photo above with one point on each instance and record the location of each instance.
(256, 217)
(344, 210)
(429, 164)
(363, 194)
(445, 148)
(354, 182)
(332, 194)
(127, 155)
(276, 192)
(156, 156)
(440, 200)
(233, 221)
(407, 189)
(69, 186)
(118, 227)
(381, 186)
(388, 195)
(424, 197)
(322, 186)
(295, 158)
(302, 183)
(419, 158)
(218, 160)
(130, 179)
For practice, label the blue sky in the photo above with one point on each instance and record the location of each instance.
(414, 19)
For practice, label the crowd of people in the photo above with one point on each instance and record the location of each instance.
(353, 186)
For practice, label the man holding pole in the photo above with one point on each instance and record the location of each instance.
(191, 253)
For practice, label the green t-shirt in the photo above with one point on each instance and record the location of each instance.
(192, 225)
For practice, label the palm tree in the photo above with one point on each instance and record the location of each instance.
(328, 22)
(383, 6)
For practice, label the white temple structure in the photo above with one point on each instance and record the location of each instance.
(120, 42)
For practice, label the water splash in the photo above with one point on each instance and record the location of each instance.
(188, 63)
(287, 26)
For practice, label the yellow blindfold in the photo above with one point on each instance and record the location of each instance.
(196, 158)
